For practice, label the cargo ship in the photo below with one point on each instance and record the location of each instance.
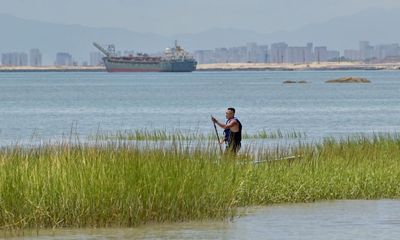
(174, 59)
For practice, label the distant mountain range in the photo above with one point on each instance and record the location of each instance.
(376, 25)
(21, 35)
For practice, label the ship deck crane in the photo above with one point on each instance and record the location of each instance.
(101, 49)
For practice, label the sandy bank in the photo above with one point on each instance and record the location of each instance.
(297, 67)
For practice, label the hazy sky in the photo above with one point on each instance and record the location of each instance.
(171, 17)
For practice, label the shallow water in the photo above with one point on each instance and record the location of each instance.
(324, 220)
(46, 105)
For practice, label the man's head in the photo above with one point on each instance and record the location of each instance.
(230, 113)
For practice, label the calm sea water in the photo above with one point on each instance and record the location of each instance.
(46, 105)
(352, 220)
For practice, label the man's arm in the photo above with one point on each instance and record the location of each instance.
(224, 126)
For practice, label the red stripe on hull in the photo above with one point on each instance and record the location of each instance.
(133, 70)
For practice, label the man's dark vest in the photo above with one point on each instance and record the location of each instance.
(233, 138)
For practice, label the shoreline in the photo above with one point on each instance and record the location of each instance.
(325, 66)
(51, 69)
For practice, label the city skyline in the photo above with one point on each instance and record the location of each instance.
(278, 52)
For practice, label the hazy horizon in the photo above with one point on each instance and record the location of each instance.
(179, 16)
(58, 26)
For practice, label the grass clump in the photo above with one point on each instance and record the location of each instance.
(278, 134)
(123, 184)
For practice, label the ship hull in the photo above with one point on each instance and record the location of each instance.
(178, 66)
(161, 66)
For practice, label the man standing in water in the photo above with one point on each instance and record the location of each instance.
(232, 132)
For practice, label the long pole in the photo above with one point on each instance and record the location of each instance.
(216, 133)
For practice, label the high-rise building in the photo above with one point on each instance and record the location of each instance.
(378, 53)
(23, 59)
(256, 53)
(96, 59)
(386, 50)
(63, 59)
(278, 52)
(333, 55)
(299, 54)
(204, 56)
(366, 51)
(8, 59)
(249, 53)
(35, 57)
(352, 54)
(14, 59)
(321, 54)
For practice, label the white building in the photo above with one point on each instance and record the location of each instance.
(352, 54)
(366, 51)
(321, 54)
(63, 59)
(386, 50)
(277, 53)
(35, 57)
(14, 59)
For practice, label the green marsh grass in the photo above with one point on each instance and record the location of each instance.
(123, 184)
(278, 134)
(164, 135)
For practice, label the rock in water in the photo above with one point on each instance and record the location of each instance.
(349, 80)
(291, 81)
